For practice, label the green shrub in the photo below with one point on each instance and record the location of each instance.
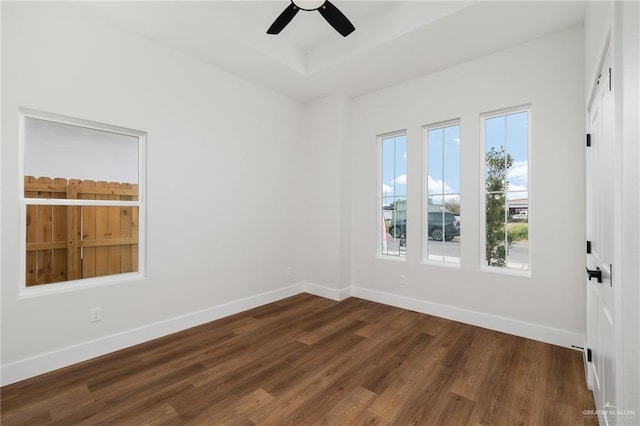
(517, 232)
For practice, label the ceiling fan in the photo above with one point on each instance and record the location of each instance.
(329, 12)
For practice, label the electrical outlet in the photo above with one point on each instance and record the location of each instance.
(403, 279)
(289, 271)
(95, 314)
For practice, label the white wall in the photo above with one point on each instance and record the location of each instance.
(223, 167)
(546, 73)
(327, 191)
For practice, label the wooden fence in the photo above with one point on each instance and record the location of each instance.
(73, 242)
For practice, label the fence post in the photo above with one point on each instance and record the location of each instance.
(60, 234)
(73, 233)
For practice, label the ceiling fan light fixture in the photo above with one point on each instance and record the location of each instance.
(308, 4)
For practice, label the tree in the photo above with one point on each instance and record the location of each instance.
(452, 206)
(497, 245)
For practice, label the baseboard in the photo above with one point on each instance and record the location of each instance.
(327, 292)
(44, 363)
(528, 330)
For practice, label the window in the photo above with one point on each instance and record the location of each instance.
(506, 182)
(393, 220)
(442, 207)
(82, 201)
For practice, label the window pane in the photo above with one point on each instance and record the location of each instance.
(401, 165)
(495, 248)
(394, 190)
(506, 191)
(388, 167)
(434, 159)
(494, 132)
(435, 219)
(452, 159)
(59, 150)
(517, 135)
(74, 242)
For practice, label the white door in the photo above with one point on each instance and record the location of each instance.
(600, 234)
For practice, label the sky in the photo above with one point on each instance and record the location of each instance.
(511, 131)
(394, 167)
(443, 152)
(59, 150)
(443, 162)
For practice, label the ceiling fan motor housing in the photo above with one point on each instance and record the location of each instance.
(308, 4)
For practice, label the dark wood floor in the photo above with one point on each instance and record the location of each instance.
(309, 360)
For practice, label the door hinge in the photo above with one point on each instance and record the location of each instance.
(589, 355)
(609, 78)
(598, 79)
(588, 247)
(588, 139)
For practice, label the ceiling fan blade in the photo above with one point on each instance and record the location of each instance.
(281, 21)
(336, 19)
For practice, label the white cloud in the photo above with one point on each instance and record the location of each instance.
(456, 140)
(435, 185)
(400, 180)
(518, 173)
(404, 156)
(513, 187)
(386, 189)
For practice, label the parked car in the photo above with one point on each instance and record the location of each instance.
(398, 228)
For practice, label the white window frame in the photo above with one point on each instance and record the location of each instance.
(380, 217)
(83, 283)
(483, 225)
(425, 191)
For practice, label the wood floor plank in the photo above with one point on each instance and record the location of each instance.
(159, 415)
(455, 411)
(308, 360)
(105, 411)
(471, 375)
(350, 409)
(388, 370)
(238, 411)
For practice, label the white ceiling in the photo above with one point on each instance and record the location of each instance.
(394, 40)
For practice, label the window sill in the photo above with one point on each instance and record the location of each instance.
(506, 271)
(453, 265)
(76, 285)
(392, 258)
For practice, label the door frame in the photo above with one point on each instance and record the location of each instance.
(626, 81)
